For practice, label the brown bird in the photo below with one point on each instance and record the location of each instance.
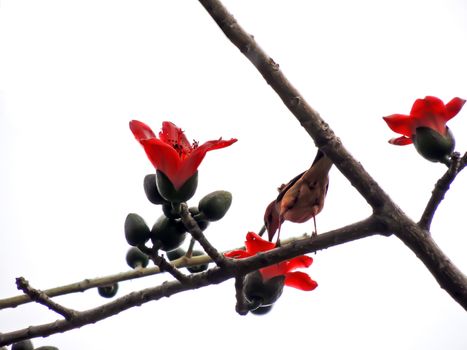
(301, 199)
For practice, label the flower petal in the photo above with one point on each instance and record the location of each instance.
(174, 135)
(400, 141)
(298, 262)
(272, 271)
(141, 130)
(255, 244)
(164, 158)
(237, 254)
(422, 108)
(401, 123)
(453, 107)
(300, 280)
(193, 160)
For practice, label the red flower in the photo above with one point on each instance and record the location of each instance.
(429, 112)
(255, 244)
(171, 153)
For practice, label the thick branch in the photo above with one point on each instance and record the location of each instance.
(234, 268)
(449, 277)
(326, 140)
(311, 121)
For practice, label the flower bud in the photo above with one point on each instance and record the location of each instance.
(150, 188)
(136, 230)
(46, 347)
(262, 293)
(108, 291)
(432, 145)
(197, 268)
(22, 345)
(215, 205)
(136, 258)
(175, 254)
(199, 217)
(170, 193)
(171, 233)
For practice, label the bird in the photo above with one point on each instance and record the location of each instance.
(301, 199)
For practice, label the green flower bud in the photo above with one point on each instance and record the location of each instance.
(197, 268)
(150, 188)
(261, 293)
(136, 258)
(199, 217)
(136, 230)
(175, 254)
(432, 145)
(215, 205)
(170, 193)
(171, 233)
(108, 291)
(23, 345)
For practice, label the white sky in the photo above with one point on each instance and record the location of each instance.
(73, 73)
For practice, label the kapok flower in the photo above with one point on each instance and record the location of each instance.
(426, 128)
(171, 153)
(429, 112)
(254, 244)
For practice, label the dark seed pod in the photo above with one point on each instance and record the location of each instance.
(262, 293)
(23, 345)
(175, 254)
(262, 310)
(136, 230)
(136, 258)
(171, 233)
(150, 188)
(197, 268)
(199, 217)
(432, 145)
(176, 195)
(215, 205)
(108, 291)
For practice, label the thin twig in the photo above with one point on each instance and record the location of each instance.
(441, 187)
(189, 251)
(90, 283)
(241, 307)
(42, 298)
(365, 228)
(193, 228)
(164, 265)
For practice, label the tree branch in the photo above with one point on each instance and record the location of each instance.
(43, 299)
(193, 228)
(234, 268)
(447, 275)
(102, 281)
(441, 187)
(164, 265)
(241, 306)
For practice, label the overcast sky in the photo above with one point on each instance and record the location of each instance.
(74, 73)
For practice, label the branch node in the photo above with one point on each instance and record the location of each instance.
(42, 298)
